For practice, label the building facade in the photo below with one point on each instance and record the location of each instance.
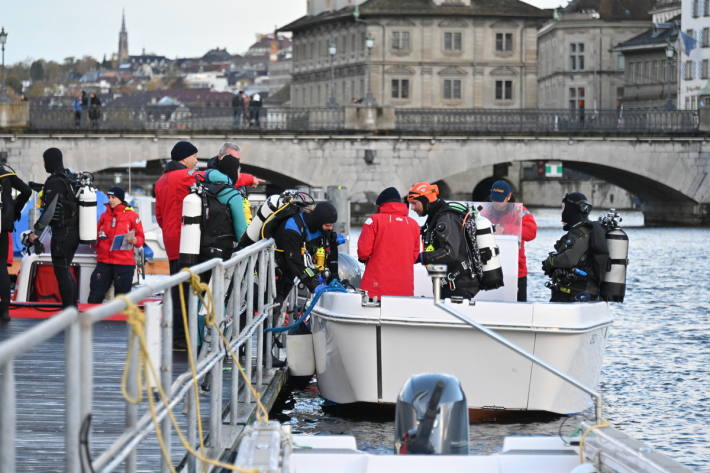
(651, 72)
(694, 90)
(577, 66)
(417, 54)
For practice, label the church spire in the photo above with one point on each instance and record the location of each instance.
(123, 41)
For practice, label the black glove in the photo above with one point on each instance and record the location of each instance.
(39, 247)
(547, 267)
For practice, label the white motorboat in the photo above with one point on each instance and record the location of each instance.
(364, 351)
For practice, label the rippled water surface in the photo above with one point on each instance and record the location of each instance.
(656, 375)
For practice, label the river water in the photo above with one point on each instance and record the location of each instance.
(656, 374)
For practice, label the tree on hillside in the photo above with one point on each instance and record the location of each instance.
(37, 71)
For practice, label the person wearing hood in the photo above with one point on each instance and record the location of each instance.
(226, 174)
(11, 212)
(119, 231)
(170, 190)
(573, 268)
(306, 233)
(60, 211)
(444, 240)
(389, 245)
(513, 220)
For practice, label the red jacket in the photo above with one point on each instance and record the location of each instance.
(170, 190)
(118, 221)
(389, 246)
(245, 180)
(528, 231)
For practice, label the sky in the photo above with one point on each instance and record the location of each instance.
(55, 29)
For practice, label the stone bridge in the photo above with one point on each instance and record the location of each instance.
(668, 174)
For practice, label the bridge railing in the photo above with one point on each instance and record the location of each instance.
(251, 293)
(546, 121)
(167, 118)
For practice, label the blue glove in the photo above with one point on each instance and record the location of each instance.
(340, 239)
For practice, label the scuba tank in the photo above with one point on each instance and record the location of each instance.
(253, 233)
(492, 277)
(613, 287)
(190, 232)
(86, 196)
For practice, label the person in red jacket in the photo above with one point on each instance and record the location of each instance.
(389, 245)
(503, 216)
(119, 231)
(170, 190)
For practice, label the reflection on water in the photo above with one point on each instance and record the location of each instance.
(656, 375)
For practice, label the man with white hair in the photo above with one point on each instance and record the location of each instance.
(233, 149)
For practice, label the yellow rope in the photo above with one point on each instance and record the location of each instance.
(146, 373)
(600, 425)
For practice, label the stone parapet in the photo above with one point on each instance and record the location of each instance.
(369, 118)
(14, 115)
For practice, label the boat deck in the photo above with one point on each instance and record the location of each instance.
(40, 399)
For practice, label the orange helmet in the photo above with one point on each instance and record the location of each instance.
(424, 189)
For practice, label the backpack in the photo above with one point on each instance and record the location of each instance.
(216, 231)
(473, 264)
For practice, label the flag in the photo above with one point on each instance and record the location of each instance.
(689, 43)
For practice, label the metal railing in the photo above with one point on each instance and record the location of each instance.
(171, 118)
(546, 121)
(252, 291)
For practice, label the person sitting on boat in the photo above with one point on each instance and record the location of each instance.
(573, 267)
(11, 212)
(505, 216)
(60, 211)
(389, 245)
(119, 231)
(309, 235)
(444, 240)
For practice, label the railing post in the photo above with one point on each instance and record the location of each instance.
(268, 254)
(7, 418)
(87, 365)
(73, 392)
(191, 406)
(260, 329)
(132, 389)
(166, 369)
(236, 328)
(250, 318)
(217, 373)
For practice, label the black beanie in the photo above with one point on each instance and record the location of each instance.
(576, 209)
(53, 160)
(229, 166)
(323, 213)
(388, 195)
(182, 150)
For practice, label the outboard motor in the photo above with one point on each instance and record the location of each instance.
(190, 232)
(613, 286)
(490, 254)
(431, 416)
(86, 195)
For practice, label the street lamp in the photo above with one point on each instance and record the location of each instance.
(369, 98)
(670, 53)
(332, 103)
(3, 40)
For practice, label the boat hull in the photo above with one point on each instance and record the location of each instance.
(366, 353)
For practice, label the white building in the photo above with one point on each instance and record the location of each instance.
(695, 66)
(215, 81)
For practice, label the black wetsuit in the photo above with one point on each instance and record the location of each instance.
(11, 211)
(445, 243)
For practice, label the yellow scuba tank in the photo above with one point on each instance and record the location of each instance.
(247, 210)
